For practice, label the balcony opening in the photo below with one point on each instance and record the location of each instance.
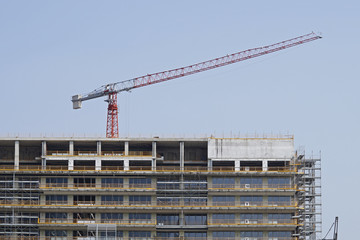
(84, 165)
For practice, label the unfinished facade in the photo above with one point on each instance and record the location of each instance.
(158, 188)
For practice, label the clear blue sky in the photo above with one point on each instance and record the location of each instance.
(51, 50)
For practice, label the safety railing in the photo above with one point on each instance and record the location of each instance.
(52, 202)
(84, 203)
(84, 185)
(112, 185)
(135, 204)
(253, 186)
(84, 168)
(94, 187)
(113, 203)
(136, 185)
(18, 202)
(11, 237)
(102, 221)
(252, 222)
(112, 168)
(103, 153)
(139, 168)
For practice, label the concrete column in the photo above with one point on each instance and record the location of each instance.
(154, 149)
(181, 218)
(43, 148)
(98, 182)
(97, 200)
(210, 166)
(70, 200)
(43, 153)
(237, 201)
(126, 165)
(71, 147)
(126, 148)
(98, 217)
(126, 201)
(43, 163)
(264, 165)
(153, 162)
(237, 165)
(71, 164)
(153, 165)
(42, 217)
(17, 155)
(182, 156)
(98, 164)
(42, 200)
(98, 147)
(70, 182)
(209, 182)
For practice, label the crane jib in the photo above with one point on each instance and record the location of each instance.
(149, 79)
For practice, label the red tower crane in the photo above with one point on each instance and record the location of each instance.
(112, 89)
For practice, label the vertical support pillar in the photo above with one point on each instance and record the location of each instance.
(182, 168)
(126, 148)
(17, 155)
(264, 165)
(98, 164)
(153, 161)
(182, 218)
(182, 156)
(71, 164)
(43, 154)
(71, 148)
(126, 165)
(210, 165)
(98, 147)
(237, 165)
(43, 148)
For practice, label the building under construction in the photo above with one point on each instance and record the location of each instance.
(158, 188)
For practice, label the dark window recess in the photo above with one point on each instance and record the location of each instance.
(55, 233)
(164, 235)
(195, 235)
(84, 199)
(84, 182)
(167, 219)
(198, 219)
(251, 234)
(139, 234)
(112, 182)
(223, 235)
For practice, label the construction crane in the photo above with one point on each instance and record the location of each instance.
(112, 89)
(335, 225)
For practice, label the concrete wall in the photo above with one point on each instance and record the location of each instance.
(250, 148)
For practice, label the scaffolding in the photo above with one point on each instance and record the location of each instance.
(19, 222)
(309, 180)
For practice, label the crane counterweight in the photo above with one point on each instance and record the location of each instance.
(77, 103)
(112, 89)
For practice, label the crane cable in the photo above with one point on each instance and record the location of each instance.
(328, 231)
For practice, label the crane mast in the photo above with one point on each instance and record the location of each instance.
(111, 90)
